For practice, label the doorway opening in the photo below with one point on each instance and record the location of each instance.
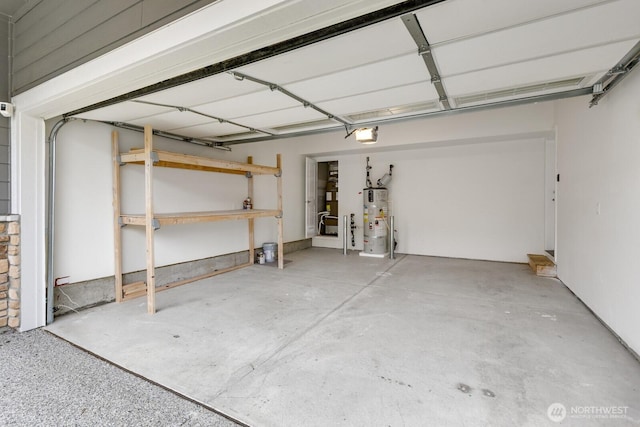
(551, 185)
(327, 199)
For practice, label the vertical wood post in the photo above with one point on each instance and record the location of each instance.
(117, 232)
(148, 190)
(280, 227)
(252, 242)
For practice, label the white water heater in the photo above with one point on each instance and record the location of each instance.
(376, 226)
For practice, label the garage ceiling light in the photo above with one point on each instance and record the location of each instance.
(367, 135)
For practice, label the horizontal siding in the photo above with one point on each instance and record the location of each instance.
(58, 35)
(78, 40)
(4, 54)
(155, 11)
(61, 13)
(80, 26)
(5, 169)
(5, 141)
(39, 21)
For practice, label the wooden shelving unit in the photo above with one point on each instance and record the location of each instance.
(150, 158)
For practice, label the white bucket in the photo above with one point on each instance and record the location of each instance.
(270, 250)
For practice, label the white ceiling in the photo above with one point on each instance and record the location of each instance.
(485, 51)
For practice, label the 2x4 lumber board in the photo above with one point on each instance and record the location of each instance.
(172, 285)
(149, 230)
(134, 295)
(280, 225)
(164, 164)
(134, 287)
(134, 290)
(196, 217)
(542, 266)
(251, 221)
(186, 161)
(117, 232)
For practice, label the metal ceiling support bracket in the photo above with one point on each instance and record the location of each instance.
(219, 119)
(198, 141)
(155, 224)
(275, 49)
(498, 104)
(615, 75)
(248, 174)
(304, 102)
(424, 50)
(154, 157)
(617, 70)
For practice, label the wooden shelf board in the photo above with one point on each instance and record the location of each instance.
(150, 158)
(139, 292)
(196, 217)
(185, 161)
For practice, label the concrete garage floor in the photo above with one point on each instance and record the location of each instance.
(354, 341)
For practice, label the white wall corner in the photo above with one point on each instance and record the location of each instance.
(28, 200)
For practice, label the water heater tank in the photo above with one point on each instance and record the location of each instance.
(375, 221)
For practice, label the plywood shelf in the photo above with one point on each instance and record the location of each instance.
(184, 161)
(196, 217)
(150, 159)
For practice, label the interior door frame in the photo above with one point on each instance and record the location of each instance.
(311, 208)
(550, 195)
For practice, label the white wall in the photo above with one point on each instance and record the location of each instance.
(84, 231)
(28, 189)
(468, 186)
(481, 201)
(599, 205)
(218, 32)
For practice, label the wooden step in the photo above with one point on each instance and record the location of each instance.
(542, 265)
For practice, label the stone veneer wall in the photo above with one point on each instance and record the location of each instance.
(10, 271)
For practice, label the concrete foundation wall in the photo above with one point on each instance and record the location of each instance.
(89, 293)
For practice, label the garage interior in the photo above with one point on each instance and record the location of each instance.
(503, 129)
